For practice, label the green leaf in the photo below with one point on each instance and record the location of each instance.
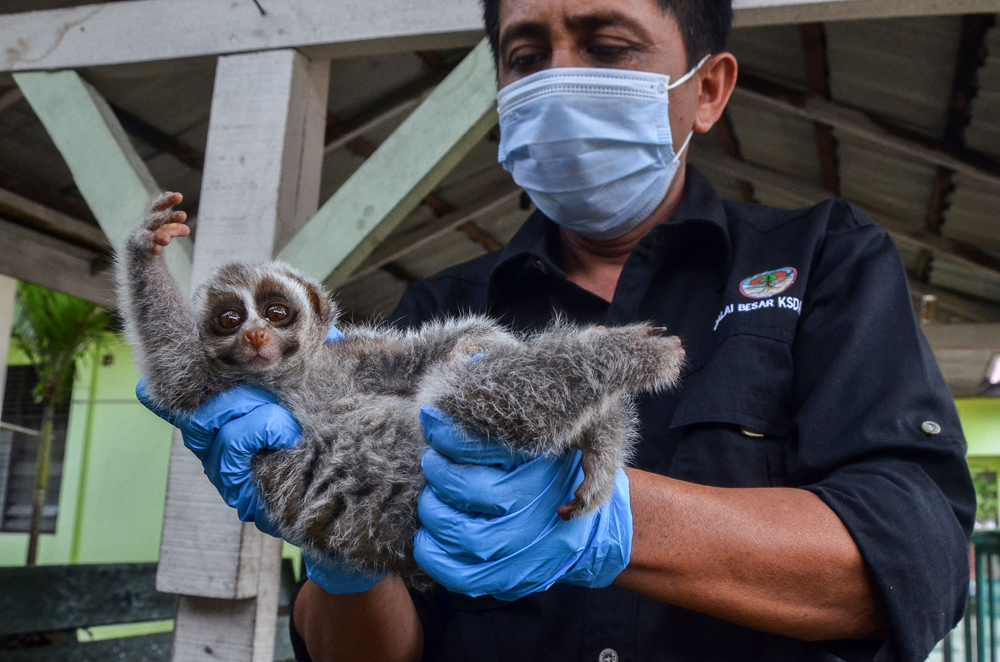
(54, 330)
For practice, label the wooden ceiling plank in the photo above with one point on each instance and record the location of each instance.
(862, 125)
(726, 132)
(817, 66)
(970, 309)
(808, 194)
(52, 221)
(55, 264)
(965, 86)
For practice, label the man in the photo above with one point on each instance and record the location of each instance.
(803, 495)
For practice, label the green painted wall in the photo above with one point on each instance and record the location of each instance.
(981, 422)
(114, 471)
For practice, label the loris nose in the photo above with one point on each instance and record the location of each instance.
(256, 338)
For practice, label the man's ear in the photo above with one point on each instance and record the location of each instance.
(716, 82)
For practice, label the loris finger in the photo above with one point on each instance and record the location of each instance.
(166, 201)
(165, 233)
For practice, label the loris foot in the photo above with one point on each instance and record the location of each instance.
(638, 357)
(161, 225)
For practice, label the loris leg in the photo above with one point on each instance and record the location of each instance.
(393, 362)
(541, 393)
(606, 444)
(158, 319)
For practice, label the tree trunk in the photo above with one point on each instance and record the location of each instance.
(41, 478)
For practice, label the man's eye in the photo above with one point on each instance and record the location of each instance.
(276, 313)
(607, 52)
(524, 62)
(230, 319)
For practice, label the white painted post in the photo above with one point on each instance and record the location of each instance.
(260, 185)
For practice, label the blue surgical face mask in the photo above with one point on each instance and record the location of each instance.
(592, 147)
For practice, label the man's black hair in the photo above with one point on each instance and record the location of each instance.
(705, 25)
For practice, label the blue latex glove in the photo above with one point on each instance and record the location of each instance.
(225, 433)
(489, 521)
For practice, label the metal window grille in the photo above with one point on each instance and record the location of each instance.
(19, 454)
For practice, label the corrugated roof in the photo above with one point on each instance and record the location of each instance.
(900, 70)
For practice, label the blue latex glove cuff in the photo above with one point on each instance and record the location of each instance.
(489, 520)
(338, 578)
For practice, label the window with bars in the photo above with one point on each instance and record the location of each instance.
(19, 454)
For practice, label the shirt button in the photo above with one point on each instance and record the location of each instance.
(753, 434)
(930, 428)
(541, 266)
(608, 655)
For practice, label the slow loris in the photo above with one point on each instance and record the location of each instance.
(351, 486)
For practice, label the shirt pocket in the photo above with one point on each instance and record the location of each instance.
(733, 419)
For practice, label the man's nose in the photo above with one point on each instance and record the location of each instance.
(566, 55)
(256, 338)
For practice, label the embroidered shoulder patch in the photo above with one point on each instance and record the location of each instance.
(768, 283)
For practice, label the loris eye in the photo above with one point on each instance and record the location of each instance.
(229, 319)
(276, 313)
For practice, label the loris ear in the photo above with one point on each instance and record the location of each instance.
(322, 303)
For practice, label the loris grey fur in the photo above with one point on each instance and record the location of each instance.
(351, 486)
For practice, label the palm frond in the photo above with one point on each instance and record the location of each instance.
(54, 330)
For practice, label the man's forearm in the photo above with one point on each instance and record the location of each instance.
(380, 624)
(771, 559)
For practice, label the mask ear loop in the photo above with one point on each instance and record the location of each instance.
(686, 77)
(687, 141)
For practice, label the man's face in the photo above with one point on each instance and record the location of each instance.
(616, 34)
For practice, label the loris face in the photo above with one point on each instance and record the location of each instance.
(262, 320)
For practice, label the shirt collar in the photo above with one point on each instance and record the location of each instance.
(536, 242)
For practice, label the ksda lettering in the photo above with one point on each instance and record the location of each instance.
(786, 303)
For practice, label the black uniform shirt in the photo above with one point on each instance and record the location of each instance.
(805, 368)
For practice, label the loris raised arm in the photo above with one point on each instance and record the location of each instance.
(350, 488)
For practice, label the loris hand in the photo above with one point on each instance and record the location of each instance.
(489, 520)
(165, 224)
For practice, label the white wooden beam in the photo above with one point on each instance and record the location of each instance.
(404, 169)
(129, 32)
(58, 265)
(110, 175)
(260, 185)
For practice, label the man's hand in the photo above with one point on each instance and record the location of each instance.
(489, 520)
